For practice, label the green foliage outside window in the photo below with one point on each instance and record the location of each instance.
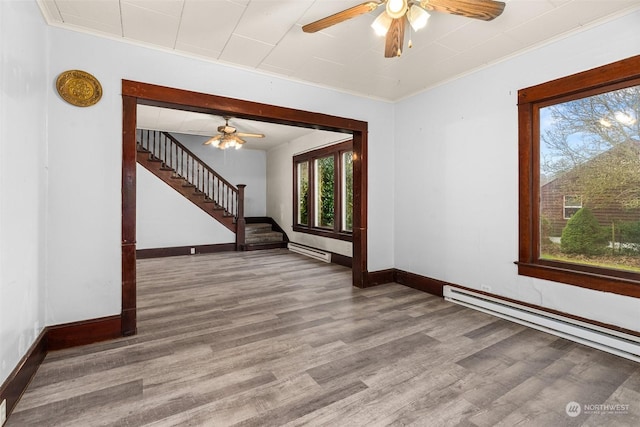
(583, 234)
(348, 190)
(325, 170)
(303, 193)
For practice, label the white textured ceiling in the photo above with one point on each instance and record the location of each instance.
(190, 123)
(266, 35)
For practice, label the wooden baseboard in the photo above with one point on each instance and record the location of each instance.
(184, 250)
(416, 281)
(422, 283)
(345, 261)
(84, 332)
(375, 278)
(17, 382)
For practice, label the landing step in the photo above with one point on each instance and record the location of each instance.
(260, 227)
(262, 246)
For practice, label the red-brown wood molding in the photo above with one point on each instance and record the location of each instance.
(184, 250)
(84, 332)
(55, 338)
(16, 383)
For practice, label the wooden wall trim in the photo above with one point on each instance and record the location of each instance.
(55, 338)
(128, 248)
(343, 260)
(422, 283)
(184, 250)
(16, 383)
(380, 277)
(84, 332)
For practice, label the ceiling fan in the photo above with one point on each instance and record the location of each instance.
(229, 137)
(391, 22)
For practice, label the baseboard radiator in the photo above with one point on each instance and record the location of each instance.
(310, 252)
(605, 339)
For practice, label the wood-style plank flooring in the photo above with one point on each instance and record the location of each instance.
(271, 338)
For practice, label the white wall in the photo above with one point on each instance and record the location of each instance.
(25, 85)
(280, 189)
(84, 278)
(165, 218)
(456, 186)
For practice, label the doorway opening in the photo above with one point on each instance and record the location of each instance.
(134, 93)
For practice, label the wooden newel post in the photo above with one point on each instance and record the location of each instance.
(240, 222)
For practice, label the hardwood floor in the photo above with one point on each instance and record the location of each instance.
(272, 338)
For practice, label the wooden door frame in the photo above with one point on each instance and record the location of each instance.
(134, 93)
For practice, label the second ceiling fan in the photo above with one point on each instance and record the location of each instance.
(229, 137)
(391, 22)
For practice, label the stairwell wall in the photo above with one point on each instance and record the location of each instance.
(165, 218)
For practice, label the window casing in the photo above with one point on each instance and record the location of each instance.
(531, 101)
(323, 191)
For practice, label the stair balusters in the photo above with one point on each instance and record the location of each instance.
(165, 148)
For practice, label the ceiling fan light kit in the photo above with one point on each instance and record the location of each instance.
(229, 137)
(391, 22)
(396, 8)
(417, 17)
(381, 24)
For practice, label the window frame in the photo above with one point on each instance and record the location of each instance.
(335, 150)
(565, 206)
(609, 77)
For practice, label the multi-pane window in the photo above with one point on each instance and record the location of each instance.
(580, 179)
(323, 191)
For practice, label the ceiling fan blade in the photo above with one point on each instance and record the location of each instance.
(212, 140)
(395, 38)
(478, 9)
(339, 17)
(249, 135)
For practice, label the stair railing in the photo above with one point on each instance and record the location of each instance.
(187, 165)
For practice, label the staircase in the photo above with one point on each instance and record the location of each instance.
(261, 235)
(169, 160)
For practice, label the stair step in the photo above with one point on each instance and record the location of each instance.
(257, 228)
(273, 236)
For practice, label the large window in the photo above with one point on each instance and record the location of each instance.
(580, 179)
(323, 191)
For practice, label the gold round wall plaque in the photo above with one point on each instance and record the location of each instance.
(79, 88)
